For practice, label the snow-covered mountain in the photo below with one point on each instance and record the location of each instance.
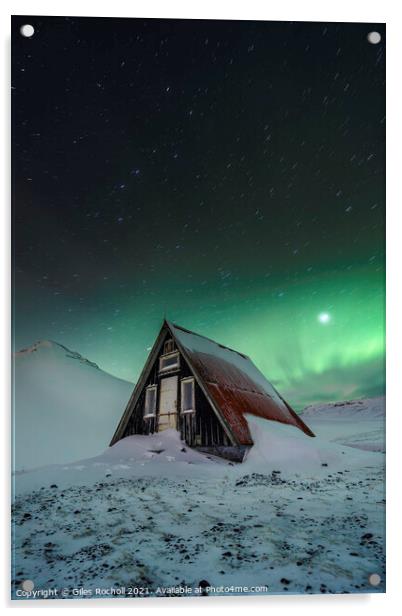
(65, 407)
(356, 423)
(370, 408)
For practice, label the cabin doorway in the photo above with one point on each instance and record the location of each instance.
(168, 404)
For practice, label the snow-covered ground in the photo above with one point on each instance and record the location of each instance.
(300, 515)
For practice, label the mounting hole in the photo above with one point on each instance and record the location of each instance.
(374, 579)
(27, 30)
(28, 585)
(374, 38)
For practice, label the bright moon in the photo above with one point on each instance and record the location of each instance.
(324, 317)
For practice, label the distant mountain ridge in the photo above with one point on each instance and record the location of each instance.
(48, 344)
(370, 408)
(355, 423)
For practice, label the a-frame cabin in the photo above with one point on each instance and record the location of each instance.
(202, 389)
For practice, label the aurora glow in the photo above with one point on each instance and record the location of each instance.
(243, 200)
(304, 360)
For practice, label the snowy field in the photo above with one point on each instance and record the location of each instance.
(300, 515)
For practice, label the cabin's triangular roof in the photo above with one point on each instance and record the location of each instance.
(235, 384)
(231, 382)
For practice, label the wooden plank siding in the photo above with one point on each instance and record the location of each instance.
(201, 428)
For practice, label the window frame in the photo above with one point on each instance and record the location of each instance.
(175, 366)
(149, 388)
(167, 343)
(183, 382)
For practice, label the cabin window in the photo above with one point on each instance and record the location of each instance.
(150, 401)
(187, 396)
(168, 347)
(169, 362)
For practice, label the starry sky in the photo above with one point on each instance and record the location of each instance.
(227, 175)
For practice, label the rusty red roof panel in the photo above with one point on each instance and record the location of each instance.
(235, 385)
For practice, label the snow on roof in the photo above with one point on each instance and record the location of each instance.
(234, 384)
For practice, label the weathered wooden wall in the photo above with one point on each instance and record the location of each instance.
(201, 428)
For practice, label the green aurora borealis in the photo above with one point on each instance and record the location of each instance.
(276, 324)
(236, 189)
(306, 360)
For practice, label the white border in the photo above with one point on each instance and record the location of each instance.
(289, 10)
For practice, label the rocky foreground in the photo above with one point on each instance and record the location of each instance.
(145, 520)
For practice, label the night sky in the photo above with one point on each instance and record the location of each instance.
(226, 175)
